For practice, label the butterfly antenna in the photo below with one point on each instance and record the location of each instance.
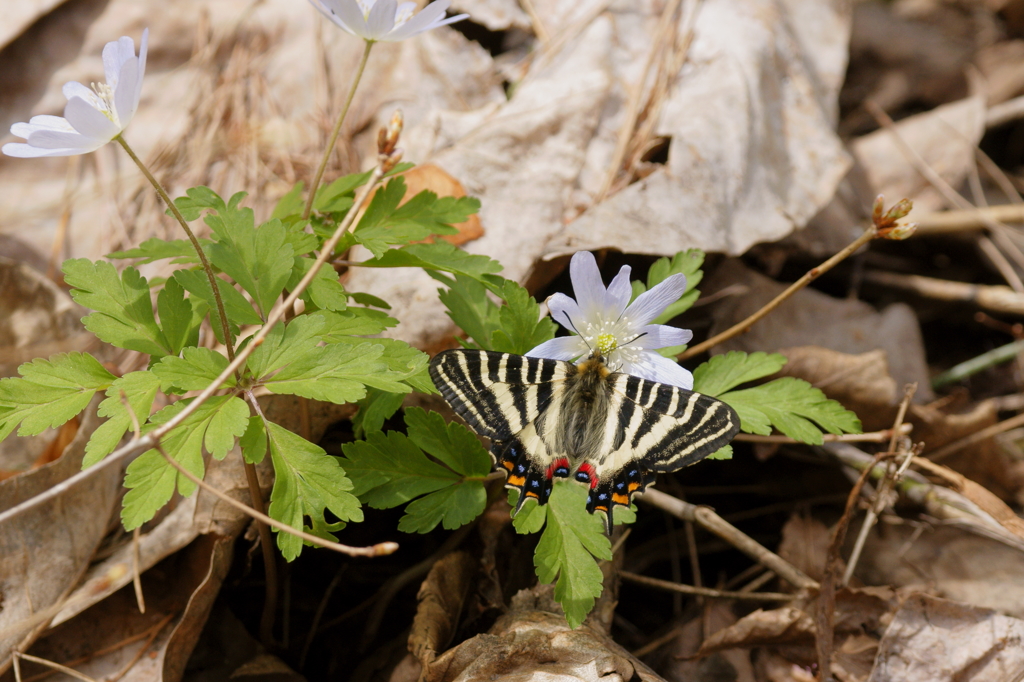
(578, 332)
(635, 338)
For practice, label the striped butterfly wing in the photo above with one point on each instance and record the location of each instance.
(652, 428)
(507, 398)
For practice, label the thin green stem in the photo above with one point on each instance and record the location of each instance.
(337, 130)
(207, 268)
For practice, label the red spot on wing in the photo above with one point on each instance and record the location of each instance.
(560, 463)
(589, 470)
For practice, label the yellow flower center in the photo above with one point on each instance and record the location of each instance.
(606, 343)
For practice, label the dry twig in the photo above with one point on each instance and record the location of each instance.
(706, 591)
(731, 534)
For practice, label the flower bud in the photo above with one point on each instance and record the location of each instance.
(387, 137)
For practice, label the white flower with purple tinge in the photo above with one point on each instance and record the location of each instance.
(93, 116)
(606, 321)
(385, 20)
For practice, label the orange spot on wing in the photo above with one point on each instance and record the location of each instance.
(621, 499)
(532, 494)
(508, 464)
(517, 481)
(633, 487)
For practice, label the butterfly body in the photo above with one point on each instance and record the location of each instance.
(551, 419)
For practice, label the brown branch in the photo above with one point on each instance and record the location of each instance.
(705, 591)
(381, 549)
(870, 437)
(827, 595)
(809, 276)
(731, 534)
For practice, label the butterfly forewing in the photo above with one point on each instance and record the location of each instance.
(498, 394)
(548, 418)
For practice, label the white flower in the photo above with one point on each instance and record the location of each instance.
(92, 117)
(385, 20)
(607, 322)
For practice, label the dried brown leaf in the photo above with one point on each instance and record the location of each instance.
(45, 550)
(943, 641)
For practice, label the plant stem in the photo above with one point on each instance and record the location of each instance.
(207, 268)
(337, 130)
(269, 559)
(809, 276)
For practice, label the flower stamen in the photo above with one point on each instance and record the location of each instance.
(606, 343)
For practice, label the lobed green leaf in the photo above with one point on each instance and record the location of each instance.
(50, 392)
(307, 482)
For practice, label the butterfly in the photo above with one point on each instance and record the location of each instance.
(550, 419)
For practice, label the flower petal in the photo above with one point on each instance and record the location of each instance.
(125, 96)
(115, 54)
(42, 122)
(344, 13)
(381, 19)
(561, 348)
(661, 336)
(140, 74)
(565, 311)
(654, 367)
(88, 121)
(652, 303)
(27, 151)
(75, 89)
(425, 20)
(587, 286)
(55, 139)
(619, 292)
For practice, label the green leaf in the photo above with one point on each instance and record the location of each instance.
(198, 198)
(325, 291)
(151, 480)
(469, 307)
(687, 263)
(450, 443)
(286, 343)
(139, 389)
(722, 373)
(568, 549)
(792, 406)
(124, 311)
(390, 470)
(307, 481)
(444, 257)
(239, 310)
(193, 371)
(254, 441)
(154, 249)
(50, 392)
(260, 260)
(374, 410)
(385, 223)
(354, 322)
(521, 325)
(176, 319)
(452, 507)
(338, 373)
(401, 363)
(290, 204)
(724, 452)
(338, 195)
